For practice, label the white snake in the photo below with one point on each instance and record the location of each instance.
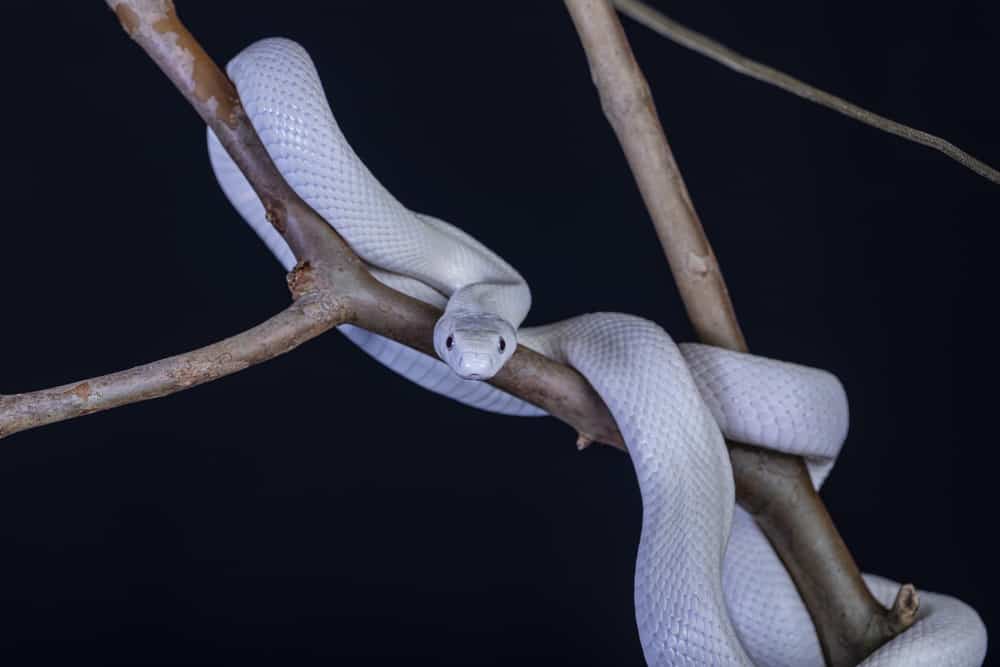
(698, 602)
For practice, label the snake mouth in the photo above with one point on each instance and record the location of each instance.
(475, 366)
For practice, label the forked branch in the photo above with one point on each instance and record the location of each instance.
(331, 285)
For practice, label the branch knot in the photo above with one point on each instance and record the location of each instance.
(301, 280)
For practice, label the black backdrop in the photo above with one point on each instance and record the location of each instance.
(318, 507)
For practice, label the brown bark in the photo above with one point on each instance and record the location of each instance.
(774, 488)
(312, 314)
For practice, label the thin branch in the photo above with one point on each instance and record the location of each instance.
(308, 317)
(706, 46)
(775, 488)
(628, 105)
(154, 25)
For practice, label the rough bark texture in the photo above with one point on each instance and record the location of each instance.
(774, 487)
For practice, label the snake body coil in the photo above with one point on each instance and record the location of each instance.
(709, 589)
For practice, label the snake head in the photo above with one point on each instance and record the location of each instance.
(474, 344)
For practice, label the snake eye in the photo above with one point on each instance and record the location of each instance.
(503, 344)
(450, 343)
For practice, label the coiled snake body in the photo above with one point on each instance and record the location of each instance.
(709, 589)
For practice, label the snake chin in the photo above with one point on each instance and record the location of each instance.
(474, 344)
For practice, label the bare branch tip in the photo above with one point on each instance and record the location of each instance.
(133, 13)
(904, 608)
(689, 39)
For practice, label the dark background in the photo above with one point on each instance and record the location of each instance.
(320, 509)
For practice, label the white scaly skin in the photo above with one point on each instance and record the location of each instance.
(670, 402)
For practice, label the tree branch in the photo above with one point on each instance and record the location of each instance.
(708, 47)
(312, 314)
(775, 488)
(628, 106)
(331, 284)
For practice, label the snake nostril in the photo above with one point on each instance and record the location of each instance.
(450, 343)
(503, 344)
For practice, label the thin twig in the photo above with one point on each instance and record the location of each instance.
(708, 47)
(311, 315)
(775, 488)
